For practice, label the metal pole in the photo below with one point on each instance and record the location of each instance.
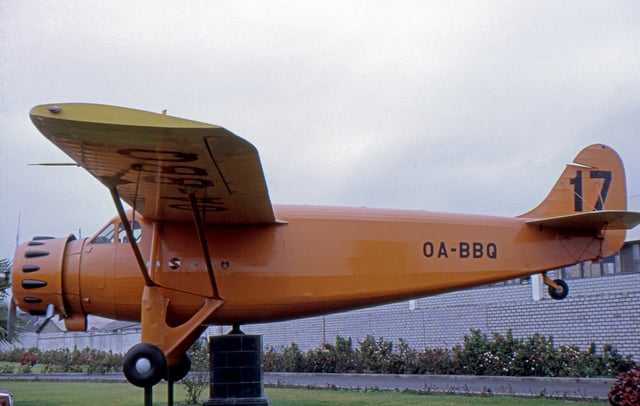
(170, 392)
(148, 396)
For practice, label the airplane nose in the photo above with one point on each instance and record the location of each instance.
(37, 275)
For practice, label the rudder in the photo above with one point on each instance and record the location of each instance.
(594, 181)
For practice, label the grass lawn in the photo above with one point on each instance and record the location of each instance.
(282, 397)
(97, 394)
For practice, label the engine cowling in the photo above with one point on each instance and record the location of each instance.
(45, 274)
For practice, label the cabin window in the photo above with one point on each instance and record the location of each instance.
(106, 236)
(122, 235)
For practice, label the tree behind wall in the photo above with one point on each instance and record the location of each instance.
(5, 295)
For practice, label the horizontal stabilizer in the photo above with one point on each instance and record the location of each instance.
(591, 221)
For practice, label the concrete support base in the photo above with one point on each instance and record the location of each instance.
(235, 371)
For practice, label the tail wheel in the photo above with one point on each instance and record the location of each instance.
(144, 365)
(562, 292)
(180, 370)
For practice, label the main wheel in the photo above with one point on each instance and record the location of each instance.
(180, 370)
(559, 294)
(144, 365)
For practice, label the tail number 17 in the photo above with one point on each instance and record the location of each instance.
(602, 195)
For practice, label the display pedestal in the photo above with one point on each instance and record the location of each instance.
(235, 370)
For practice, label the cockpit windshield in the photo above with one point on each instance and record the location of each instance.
(108, 235)
(122, 234)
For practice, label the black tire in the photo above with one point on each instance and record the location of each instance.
(180, 370)
(144, 365)
(562, 292)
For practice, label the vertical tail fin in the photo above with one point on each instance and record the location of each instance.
(589, 198)
(594, 181)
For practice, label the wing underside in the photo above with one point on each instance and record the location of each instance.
(155, 161)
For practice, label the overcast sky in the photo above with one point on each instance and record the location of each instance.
(456, 106)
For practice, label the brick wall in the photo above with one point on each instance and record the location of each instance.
(603, 310)
(116, 341)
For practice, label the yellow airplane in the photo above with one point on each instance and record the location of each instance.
(203, 245)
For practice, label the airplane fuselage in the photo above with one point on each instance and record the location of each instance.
(314, 261)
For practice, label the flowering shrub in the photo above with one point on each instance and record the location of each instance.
(435, 361)
(626, 390)
(377, 355)
(478, 355)
(65, 360)
(197, 379)
(28, 359)
(13, 355)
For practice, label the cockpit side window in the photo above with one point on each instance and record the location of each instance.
(122, 235)
(106, 236)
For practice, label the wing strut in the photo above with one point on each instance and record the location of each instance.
(127, 229)
(197, 220)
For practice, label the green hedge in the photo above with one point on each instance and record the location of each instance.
(478, 355)
(63, 360)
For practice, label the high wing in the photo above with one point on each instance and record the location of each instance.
(155, 161)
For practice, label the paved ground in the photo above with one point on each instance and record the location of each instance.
(570, 388)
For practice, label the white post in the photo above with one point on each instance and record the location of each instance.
(537, 286)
